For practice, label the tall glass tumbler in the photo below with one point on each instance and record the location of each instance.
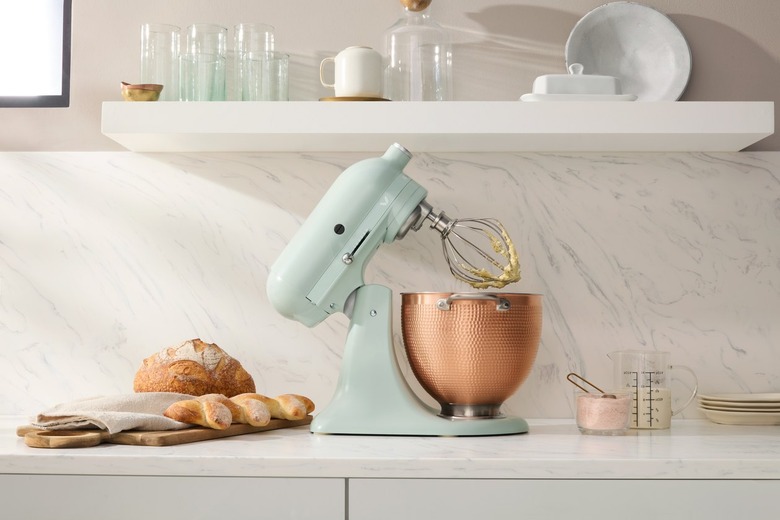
(203, 61)
(253, 43)
(160, 58)
(266, 77)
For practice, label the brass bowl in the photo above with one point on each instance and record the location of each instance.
(141, 92)
(471, 351)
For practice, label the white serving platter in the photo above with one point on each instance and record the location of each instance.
(637, 44)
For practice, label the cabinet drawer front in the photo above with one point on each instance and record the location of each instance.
(455, 499)
(78, 497)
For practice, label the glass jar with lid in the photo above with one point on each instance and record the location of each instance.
(419, 56)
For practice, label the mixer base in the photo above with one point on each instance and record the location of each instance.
(373, 398)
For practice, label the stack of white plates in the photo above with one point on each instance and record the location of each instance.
(756, 409)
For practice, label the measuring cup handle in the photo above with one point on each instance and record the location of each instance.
(695, 387)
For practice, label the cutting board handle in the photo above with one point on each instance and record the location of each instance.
(38, 438)
(63, 439)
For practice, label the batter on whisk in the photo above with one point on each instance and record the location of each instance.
(510, 272)
(470, 242)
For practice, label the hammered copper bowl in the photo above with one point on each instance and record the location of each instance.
(471, 351)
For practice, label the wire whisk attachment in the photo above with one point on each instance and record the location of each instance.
(478, 250)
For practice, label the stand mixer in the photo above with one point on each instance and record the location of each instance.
(321, 272)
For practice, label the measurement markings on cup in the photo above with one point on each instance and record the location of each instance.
(649, 399)
(635, 400)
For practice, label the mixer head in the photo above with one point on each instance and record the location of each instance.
(370, 203)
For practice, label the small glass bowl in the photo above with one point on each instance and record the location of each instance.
(603, 414)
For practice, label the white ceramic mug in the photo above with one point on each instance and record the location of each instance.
(358, 72)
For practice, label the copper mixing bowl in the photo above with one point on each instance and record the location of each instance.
(471, 351)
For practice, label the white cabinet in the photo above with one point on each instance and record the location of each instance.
(460, 499)
(80, 497)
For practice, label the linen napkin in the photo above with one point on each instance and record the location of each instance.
(114, 413)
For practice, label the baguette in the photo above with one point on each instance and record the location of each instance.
(291, 407)
(218, 411)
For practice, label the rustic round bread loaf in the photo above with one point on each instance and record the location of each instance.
(195, 368)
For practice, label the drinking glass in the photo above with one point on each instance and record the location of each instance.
(160, 58)
(266, 77)
(254, 53)
(203, 61)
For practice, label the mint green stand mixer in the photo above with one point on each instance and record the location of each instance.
(321, 272)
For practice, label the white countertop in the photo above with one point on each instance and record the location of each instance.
(554, 449)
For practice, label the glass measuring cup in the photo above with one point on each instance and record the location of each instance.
(648, 375)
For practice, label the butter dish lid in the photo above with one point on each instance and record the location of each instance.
(577, 82)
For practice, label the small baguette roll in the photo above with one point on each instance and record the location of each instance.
(295, 406)
(253, 411)
(210, 414)
(236, 413)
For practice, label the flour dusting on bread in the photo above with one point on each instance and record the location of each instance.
(207, 354)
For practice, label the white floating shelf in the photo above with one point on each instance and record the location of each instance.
(459, 126)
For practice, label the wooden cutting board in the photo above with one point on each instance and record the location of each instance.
(38, 438)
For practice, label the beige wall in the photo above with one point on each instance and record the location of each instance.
(501, 47)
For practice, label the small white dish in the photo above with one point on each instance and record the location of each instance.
(638, 45)
(577, 97)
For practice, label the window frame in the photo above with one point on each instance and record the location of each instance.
(59, 100)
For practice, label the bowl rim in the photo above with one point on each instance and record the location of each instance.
(430, 298)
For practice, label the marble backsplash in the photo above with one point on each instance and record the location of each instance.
(106, 258)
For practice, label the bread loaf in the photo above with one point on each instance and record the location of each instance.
(195, 368)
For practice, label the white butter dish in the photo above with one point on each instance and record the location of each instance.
(576, 82)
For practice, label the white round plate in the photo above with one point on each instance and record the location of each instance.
(742, 398)
(745, 408)
(578, 97)
(727, 405)
(745, 418)
(638, 45)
